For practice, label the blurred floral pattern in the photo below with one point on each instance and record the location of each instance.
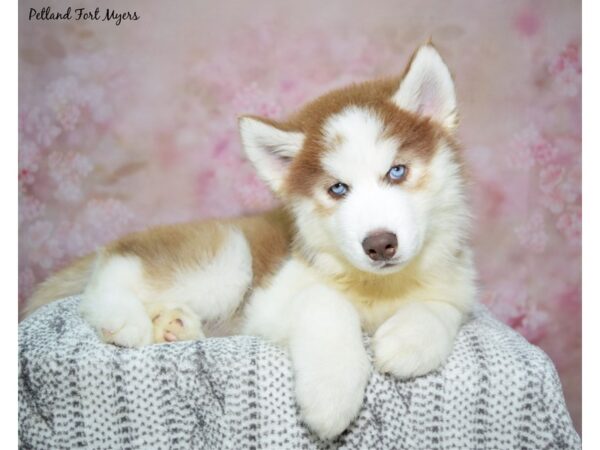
(123, 127)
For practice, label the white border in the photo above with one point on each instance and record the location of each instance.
(591, 224)
(9, 222)
(9, 270)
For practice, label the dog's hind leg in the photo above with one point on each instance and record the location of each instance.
(160, 285)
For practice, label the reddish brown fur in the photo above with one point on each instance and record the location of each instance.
(188, 245)
(418, 135)
(167, 249)
(269, 236)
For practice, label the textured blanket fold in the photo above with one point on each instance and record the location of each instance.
(496, 391)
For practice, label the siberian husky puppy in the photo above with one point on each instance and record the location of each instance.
(372, 237)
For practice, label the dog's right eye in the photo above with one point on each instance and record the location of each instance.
(338, 190)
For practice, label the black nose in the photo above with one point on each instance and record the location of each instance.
(380, 246)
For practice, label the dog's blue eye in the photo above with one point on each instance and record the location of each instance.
(338, 190)
(397, 173)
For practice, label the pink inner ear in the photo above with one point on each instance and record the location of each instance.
(279, 161)
(429, 102)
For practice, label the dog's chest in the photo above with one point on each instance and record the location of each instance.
(374, 313)
(377, 300)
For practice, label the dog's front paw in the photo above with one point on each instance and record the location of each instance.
(331, 393)
(412, 343)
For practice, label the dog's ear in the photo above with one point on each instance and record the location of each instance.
(269, 148)
(427, 88)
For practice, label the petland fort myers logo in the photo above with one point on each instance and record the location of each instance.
(83, 14)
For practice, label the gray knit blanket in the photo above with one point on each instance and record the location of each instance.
(495, 392)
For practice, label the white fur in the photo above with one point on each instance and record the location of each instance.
(311, 229)
(269, 149)
(416, 339)
(112, 302)
(267, 312)
(330, 363)
(322, 331)
(215, 289)
(363, 150)
(371, 208)
(362, 160)
(428, 89)
(445, 205)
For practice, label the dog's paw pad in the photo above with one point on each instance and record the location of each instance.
(169, 337)
(177, 324)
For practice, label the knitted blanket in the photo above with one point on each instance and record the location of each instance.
(496, 392)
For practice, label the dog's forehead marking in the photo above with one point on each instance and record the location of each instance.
(356, 145)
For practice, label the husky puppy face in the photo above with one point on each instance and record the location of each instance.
(370, 172)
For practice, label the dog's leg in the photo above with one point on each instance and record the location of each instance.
(331, 366)
(112, 302)
(417, 338)
(159, 286)
(322, 332)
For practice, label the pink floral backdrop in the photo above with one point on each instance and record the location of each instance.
(123, 127)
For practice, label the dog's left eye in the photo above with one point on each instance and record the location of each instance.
(397, 173)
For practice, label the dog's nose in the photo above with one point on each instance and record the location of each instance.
(380, 246)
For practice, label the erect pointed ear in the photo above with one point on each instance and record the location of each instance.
(427, 88)
(269, 148)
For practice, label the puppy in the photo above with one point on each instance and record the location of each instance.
(372, 236)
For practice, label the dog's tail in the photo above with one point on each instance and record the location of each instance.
(69, 281)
